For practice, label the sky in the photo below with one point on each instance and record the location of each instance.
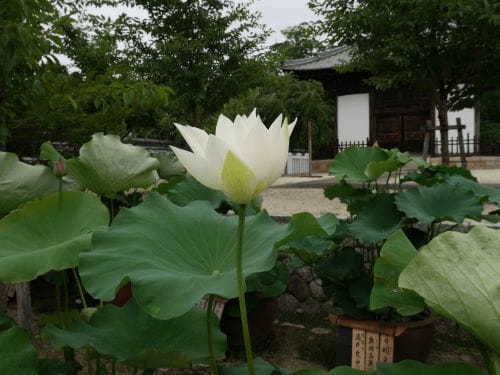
(276, 14)
(280, 14)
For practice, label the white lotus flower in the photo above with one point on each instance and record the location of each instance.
(242, 159)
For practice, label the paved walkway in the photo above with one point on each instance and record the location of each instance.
(290, 195)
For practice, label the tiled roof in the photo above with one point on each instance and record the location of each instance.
(328, 59)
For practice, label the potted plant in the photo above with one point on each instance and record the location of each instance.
(376, 320)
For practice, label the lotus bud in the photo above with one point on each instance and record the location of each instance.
(59, 168)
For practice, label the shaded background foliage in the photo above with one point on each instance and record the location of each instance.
(186, 62)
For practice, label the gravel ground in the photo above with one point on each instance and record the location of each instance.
(290, 195)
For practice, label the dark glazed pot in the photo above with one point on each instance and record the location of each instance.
(260, 321)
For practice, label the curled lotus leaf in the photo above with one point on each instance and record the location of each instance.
(21, 182)
(108, 166)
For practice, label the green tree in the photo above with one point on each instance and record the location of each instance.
(101, 94)
(448, 48)
(202, 49)
(302, 40)
(28, 33)
(294, 98)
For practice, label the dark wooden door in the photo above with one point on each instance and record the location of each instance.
(399, 119)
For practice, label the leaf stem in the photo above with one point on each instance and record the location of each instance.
(80, 289)
(241, 289)
(211, 350)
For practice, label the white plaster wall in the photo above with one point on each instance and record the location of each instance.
(468, 118)
(353, 116)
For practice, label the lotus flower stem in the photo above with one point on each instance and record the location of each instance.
(80, 289)
(242, 289)
(211, 350)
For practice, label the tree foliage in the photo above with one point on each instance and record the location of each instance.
(305, 100)
(201, 49)
(302, 40)
(448, 48)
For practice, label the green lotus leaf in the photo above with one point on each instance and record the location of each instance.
(311, 371)
(345, 370)
(265, 368)
(405, 158)
(48, 234)
(175, 255)
(351, 164)
(355, 198)
(438, 203)
(128, 334)
(18, 356)
(107, 166)
(21, 182)
(305, 224)
(308, 236)
(51, 366)
(376, 169)
(396, 254)
(457, 275)
(377, 221)
(261, 367)
(412, 368)
(482, 192)
(189, 190)
(169, 165)
(311, 248)
(271, 283)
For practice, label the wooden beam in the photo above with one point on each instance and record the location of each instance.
(451, 127)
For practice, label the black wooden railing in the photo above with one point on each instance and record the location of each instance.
(473, 146)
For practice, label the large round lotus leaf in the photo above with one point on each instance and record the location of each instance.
(411, 368)
(107, 166)
(130, 335)
(351, 164)
(482, 192)
(396, 254)
(458, 275)
(17, 354)
(438, 203)
(48, 234)
(377, 221)
(175, 255)
(21, 182)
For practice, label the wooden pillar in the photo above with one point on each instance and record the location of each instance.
(427, 139)
(463, 159)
